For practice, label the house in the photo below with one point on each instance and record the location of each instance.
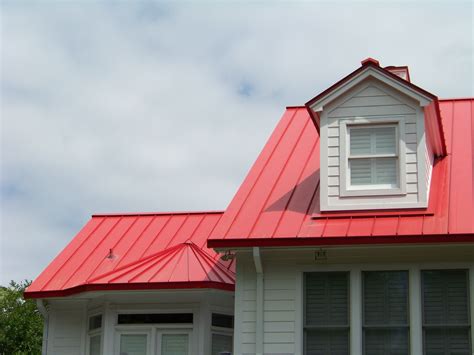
(353, 233)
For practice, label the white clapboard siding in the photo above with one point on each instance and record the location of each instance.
(66, 330)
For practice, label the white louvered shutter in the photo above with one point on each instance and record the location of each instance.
(326, 313)
(446, 322)
(379, 142)
(174, 344)
(133, 344)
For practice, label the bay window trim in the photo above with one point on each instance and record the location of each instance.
(346, 190)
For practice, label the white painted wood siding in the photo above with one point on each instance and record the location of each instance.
(374, 100)
(67, 329)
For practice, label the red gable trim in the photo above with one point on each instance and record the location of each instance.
(131, 287)
(340, 241)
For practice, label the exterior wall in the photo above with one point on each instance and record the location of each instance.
(374, 100)
(283, 291)
(68, 318)
(66, 328)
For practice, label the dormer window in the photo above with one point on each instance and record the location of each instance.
(379, 136)
(371, 159)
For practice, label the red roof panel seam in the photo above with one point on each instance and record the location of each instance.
(191, 236)
(171, 255)
(158, 232)
(123, 235)
(198, 259)
(298, 181)
(135, 264)
(373, 226)
(310, 207)
(210, 262)
(68, 259)
(204, 244)
(261, 171)
(136, 239)
(174, 267)
(348, 227)
(397, 228)
(450, 170)
(92, 252)
(177, 231)
(279, 176)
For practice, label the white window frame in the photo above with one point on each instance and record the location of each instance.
(222, 330)
(346, 189)
(135, 331)
(94, 332)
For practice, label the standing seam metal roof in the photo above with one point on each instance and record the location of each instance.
(278, 202)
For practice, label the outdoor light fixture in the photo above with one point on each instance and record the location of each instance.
(227, 256)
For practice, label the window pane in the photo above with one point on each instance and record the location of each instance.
(174, 344)
(386, 171)
(326, 296)
(221, 344)
(386, 341)
(155, 318)
(385, 140)
(445, 341)
(445, 297)
(133, 344)
(327, 342)
(360, 141)
(95, 322)
(94, 345)
(361, 171)
(222, 320)
(385, 298)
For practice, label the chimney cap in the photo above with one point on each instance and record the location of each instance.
(370, 60)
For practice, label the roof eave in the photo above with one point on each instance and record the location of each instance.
(130, 287)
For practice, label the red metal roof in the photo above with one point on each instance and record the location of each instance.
(277, 204)
(137, 251)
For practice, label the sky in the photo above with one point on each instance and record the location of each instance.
(134, 106)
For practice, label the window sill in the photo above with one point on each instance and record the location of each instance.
(353, 192)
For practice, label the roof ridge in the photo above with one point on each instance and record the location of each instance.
(172, 213)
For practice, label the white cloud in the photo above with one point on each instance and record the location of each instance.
(142, 107)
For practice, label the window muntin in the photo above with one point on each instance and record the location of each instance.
(326, 315)
(385, 312)
(373, 156)
(446, 321)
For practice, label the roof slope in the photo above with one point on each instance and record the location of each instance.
(143, 251)
(277, 204)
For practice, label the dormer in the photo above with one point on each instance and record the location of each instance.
(379, 138)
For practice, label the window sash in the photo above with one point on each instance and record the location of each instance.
(381, 157)
(441, 288)
(326, 312)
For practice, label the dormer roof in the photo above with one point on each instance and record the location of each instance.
(370, 68)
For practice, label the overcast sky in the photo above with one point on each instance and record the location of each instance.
(140, 106)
